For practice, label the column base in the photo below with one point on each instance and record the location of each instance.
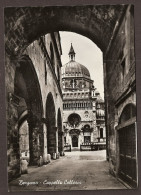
(58, 155)
(54, 156)
(62, 153)
(24, 167)
(48, 158)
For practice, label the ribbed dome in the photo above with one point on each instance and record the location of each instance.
(73, 68)
(100, 113)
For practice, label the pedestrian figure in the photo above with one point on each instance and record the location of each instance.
(40, 161)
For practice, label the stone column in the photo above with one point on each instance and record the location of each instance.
(35, 140)
(44, 122)
(92, 136)
(61, 142)
(104, 132)
(33, 146)
(45, 143)
(56, 141)
(13, 149)
(52, 141)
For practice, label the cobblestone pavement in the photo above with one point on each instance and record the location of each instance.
(74, 171)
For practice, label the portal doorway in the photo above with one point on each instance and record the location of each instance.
(127, 145)
(51, 125)
(74, 141)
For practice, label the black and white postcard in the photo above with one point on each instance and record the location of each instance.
(70, 92)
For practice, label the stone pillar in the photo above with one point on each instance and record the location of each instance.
(13, 137)
(45, 143)
(81, 138)
(104, 132)
(92, 136)
(35, 140)
(33, 146)
(44, 122)
(61, 143)
(95, 134)
(52, 141)
(57, 141)
(62, 153)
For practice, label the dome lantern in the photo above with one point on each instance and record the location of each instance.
(73, 68)
(71, 53)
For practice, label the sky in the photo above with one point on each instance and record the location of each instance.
(87, 54)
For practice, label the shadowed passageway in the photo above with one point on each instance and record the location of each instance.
(90, 172)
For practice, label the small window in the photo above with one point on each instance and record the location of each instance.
(101, 132)
(64, 140)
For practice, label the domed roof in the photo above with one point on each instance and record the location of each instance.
(73, 68)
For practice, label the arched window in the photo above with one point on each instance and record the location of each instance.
(128, 112)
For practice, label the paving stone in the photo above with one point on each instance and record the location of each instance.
(70, 172)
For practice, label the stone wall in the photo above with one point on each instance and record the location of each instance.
(119, 66)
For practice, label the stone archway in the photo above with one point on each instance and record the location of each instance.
(27, 89)
(99, 23)
(51, 125)
(28, 23)
(26, 98)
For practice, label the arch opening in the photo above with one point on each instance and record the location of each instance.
(51, 125)
(28, 95)
(127, 167)
(74, 141)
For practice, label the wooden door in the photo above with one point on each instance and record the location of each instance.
(74, 141)
(127, 155)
